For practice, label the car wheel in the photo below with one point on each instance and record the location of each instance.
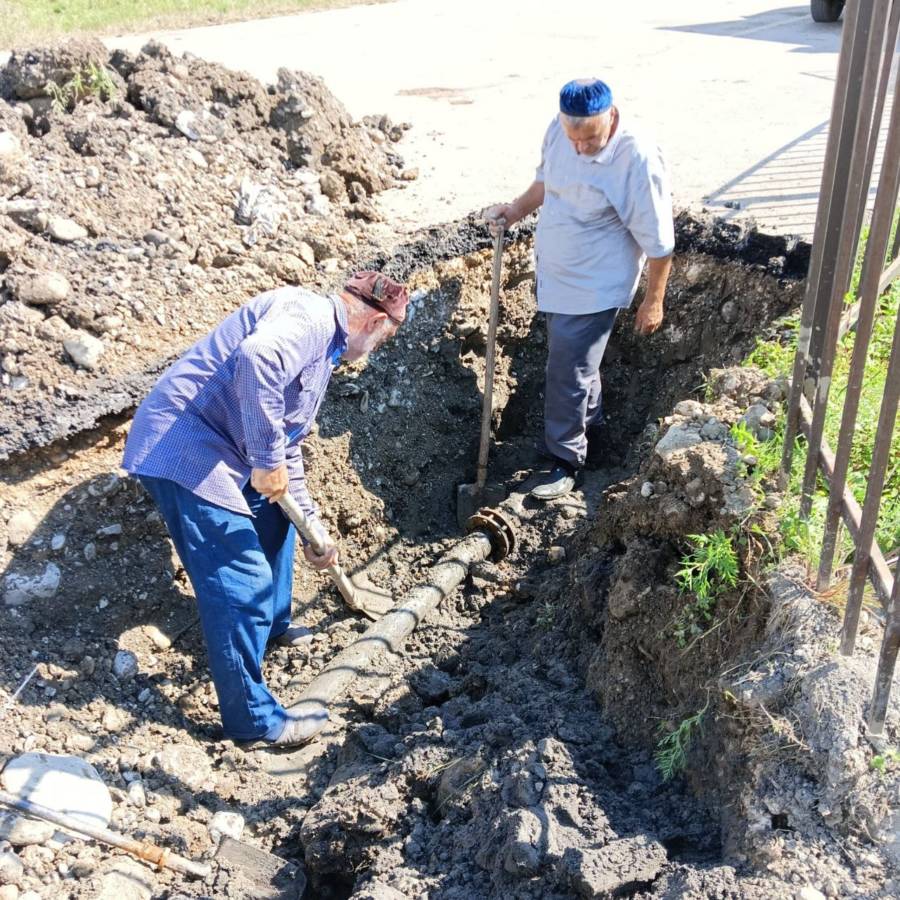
(826, 10)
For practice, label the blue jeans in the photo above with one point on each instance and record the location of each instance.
(241, 568)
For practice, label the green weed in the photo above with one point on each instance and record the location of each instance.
(672, 748)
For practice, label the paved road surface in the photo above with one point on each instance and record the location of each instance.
(737, 91)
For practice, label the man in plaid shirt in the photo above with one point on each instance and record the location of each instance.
(217, 442)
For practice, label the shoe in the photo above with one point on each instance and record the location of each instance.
(293, 636)
(297, 731)
(558, 482)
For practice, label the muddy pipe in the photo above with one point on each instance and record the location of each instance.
(490, 535)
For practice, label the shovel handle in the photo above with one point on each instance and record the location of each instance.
(299, 519)
(489, 361)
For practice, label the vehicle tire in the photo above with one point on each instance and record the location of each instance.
(826, 10)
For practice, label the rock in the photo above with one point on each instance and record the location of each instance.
(431, 684)
(678, 437)
(556, 555)
(729, 312)
(65, 783)
(332, 185)
(196, 157)
(110, 530)
(620, 868)
(226, 824)
(84, 349)
(306, 253)
(24, 588)
(188, 765)
(91, 176)
(184, 122)
(19, 527)
(714, 430)
(10, 892)
(689, 408)
(409, 174)
(647, 489)
(57, 542)
(137, 796)
(809, 893)
(73, 649)
(65, 230)
(125, 665)
(521, 853)
(126, 880)
(90, 551)
(113, 720)
(43, 290)
(760, 420)
(23, 832)
(156, 237)
(160, 641)
(14, 176)
(11, 868)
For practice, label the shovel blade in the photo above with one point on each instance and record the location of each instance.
(470, 498)
(371, 600)
(262, 875)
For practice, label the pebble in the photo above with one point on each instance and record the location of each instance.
(91, 176)
(109, 530)
(47, 289)
(65, 230)
(84, 349)
(184, 122)
(57, 542)
(160, 641)
(11, 867)
(125, 665)
(22, 832)
(810, 893)
(113, 720)
(23, 588)
(556, 554)
(647, 489)
(137, 796)
(10, 892)
(19, 527)
(90, 551)
(226, 824)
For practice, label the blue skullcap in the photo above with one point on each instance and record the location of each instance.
(580, 98)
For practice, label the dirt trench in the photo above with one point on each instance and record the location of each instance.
(503, 755)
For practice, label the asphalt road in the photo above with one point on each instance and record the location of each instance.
(738, 92)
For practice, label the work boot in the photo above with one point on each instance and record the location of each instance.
(558, 482)
(293, 636)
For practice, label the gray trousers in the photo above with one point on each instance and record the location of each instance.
(572, 393)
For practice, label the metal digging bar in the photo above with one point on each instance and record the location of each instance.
(491, 535)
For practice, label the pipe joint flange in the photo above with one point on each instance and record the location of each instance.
(498, 528)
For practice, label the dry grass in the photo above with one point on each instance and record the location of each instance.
(24, 22)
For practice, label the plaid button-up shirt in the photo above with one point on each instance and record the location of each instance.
(243, 397)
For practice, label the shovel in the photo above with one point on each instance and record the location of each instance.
(361, 595)
(470, 498)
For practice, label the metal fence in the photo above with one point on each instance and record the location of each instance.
(863, 77)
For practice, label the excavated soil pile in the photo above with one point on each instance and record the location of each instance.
(509, 753)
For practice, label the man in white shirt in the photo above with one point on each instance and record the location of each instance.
(606, 208)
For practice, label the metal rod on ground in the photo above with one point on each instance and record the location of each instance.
(823, 217)
(876, 248)
(388, 634)
(877, 471)
(842, 242)
(145, 850)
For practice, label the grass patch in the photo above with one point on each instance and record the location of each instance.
(24, 21)
(776, 358)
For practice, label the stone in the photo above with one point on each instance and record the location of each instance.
(126, 880)
(759, 420)
(65, 230)
(306, 253)
(19, 527)
(809, 893)
(729, 312)
(91, 176)
(196, 157)
(678, 437)
(226, 824)
(113, 720)
(521, 852)
(332, 185)
(125, 665)
(431, 684)
(647, 489)
(84, 349)
(556, 555)
(11, 867)
(25, 588)
(90, 551)
(714, 430)
(46, 289)
(66, 784)
(10, 892)
(137, 796)
(188, 765)
(689, 408)
(57, 542)
(621, 867)
(160, 641)
(23, 832)
(184, 122)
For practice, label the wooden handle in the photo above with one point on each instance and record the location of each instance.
(489, 362)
